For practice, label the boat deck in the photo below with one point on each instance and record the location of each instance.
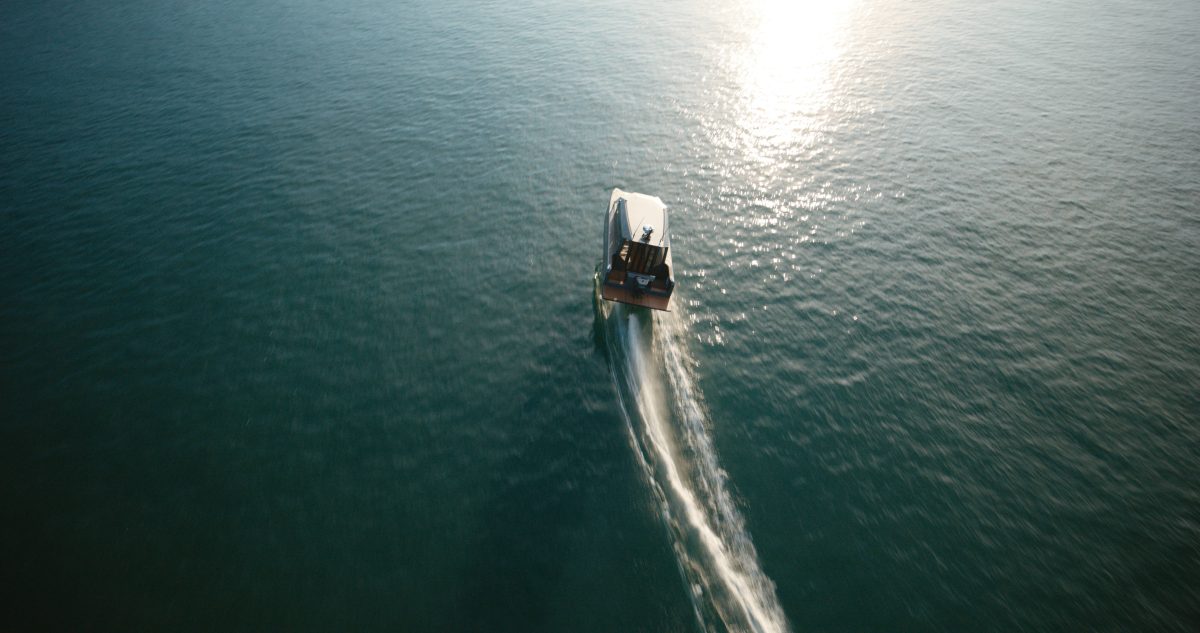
(624, 295)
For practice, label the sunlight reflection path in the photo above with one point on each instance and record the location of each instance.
(785, 70)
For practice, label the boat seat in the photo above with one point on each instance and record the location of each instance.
(662, 276)
(617, 273)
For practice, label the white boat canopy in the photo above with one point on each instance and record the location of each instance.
(642, 211)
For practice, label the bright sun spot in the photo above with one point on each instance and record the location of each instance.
(784, 70)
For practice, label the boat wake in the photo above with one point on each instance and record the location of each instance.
(668, 427)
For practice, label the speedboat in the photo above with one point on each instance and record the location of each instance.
(636, 268)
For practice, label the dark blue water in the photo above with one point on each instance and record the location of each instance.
(298, 330)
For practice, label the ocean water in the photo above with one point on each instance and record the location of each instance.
(298, 326)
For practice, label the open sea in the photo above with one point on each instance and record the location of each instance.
(299, 330)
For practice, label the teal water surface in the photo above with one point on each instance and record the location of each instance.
(298, 327)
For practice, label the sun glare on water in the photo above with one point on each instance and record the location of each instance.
(784, 71)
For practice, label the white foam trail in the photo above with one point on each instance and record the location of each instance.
(729, 573)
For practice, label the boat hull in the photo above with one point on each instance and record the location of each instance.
(636, 265)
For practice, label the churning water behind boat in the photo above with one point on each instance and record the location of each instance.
(669, 429)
